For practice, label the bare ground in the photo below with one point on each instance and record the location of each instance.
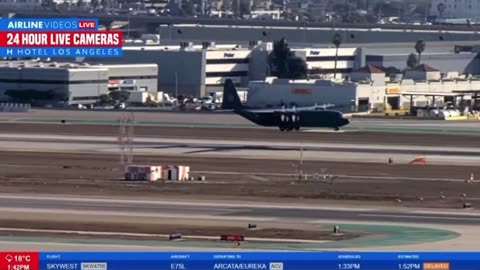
(81, 174)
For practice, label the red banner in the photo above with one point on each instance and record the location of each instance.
(60, 39)
(19, 260)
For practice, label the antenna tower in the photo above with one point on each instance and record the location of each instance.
(125, 137)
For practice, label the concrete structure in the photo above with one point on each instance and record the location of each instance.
(368, 89)
(423, 72)
(368, 73)
(132, 77)
(307, 35)
(463, 63)
(176, 173)
(455, 9)
(321, 61)
(189, 69)
(69, 83)
(197, 69)
(143, 173)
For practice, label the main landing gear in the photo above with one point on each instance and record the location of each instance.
(289, 122)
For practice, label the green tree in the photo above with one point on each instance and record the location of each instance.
(244, 8)
(419, 48)
(119, 96)
(95, 4)
(298, 68)
(106, 4)
(441, 9)
(188, 8)
(105, 99)
(337, 41)
(284, 64)
(412, 61)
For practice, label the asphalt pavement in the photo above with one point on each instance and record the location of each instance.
(259, 149)
(225, 211)
(229, 120)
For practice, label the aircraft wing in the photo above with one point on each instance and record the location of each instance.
(294, 109)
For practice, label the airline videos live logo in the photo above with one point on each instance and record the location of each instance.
(87, 24)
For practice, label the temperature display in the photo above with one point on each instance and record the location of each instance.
(19, 261)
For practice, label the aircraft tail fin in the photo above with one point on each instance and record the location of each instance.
(231, 100)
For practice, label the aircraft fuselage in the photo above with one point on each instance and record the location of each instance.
(290, 120)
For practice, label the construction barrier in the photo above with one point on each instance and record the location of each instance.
(143, 172)
(14, 107)
(232, 237)
(419, 160)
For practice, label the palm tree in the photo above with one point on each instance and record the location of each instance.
(441, 9)
(420, 47)
(337, 41)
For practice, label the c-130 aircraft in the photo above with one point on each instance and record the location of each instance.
(284, 119)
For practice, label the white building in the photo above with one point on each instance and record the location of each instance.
(455, 9)
(321, 61)
(226, 64)
(69, 83)
(363, 93)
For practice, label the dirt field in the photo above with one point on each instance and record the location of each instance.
(82, 174)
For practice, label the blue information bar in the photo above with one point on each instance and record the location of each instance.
(45, 24)
(259, 260)
(60, 52)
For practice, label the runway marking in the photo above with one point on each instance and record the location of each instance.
(131, 214)
(363, 177)
(234, 205)
(99, 233)
(419, 217)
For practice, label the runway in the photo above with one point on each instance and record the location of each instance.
(229, 120)
(224, 211)
(259, 149)
(176, 136)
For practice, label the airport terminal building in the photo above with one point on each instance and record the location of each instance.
(69, 83)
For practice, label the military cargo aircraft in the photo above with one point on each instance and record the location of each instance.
(285, 119)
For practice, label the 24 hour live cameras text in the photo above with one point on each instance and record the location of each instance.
(63, 52)
(64, 39)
